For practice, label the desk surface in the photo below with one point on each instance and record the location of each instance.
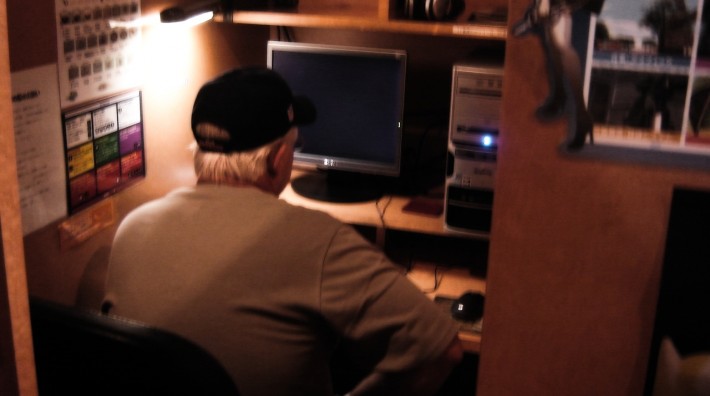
(387, 213)
(448, 282)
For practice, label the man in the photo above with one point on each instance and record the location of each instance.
(270, 289)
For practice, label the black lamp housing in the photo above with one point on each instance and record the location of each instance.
(182, 13)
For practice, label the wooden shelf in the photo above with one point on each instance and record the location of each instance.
(300, 19)
(368, 15)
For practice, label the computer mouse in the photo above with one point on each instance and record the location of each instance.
(468, 307)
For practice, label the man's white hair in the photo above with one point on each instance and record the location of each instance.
(244, 166)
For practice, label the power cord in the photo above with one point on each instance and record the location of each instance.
(438, 277)
(438, 273)
(284, 33)
(381, 210)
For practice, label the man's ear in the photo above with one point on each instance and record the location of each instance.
(276, 157)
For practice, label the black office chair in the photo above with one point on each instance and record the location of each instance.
(81, 352)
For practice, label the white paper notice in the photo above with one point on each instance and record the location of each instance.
(105, 121)
(78, 130)
(40, 150)
(129, 112)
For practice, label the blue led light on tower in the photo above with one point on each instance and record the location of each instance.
(487, 141)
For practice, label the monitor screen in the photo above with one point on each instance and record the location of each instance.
(359, 98)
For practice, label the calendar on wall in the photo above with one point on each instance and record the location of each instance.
(96, 60)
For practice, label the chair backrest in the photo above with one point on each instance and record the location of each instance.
(81, 352)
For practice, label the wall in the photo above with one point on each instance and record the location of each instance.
(177, 64)
(575, 255)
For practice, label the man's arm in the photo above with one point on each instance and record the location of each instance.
(423, 380)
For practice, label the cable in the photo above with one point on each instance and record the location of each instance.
(437, 281)
(284, 33)
(381, 211)
(382, 232)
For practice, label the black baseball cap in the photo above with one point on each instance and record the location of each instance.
(246, 108)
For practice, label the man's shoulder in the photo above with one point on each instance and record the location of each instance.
(236, 201)
(304, 213)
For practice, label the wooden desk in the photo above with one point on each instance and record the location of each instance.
(369, 213)
(452, 282)
(386, 214)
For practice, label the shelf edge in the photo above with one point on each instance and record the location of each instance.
(477, 31)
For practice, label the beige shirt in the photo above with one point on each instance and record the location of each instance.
(270, 289)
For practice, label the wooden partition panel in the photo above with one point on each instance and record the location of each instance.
(16, 357)
(576, 253)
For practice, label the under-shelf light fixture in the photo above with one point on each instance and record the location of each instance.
(186, 16)
(195, 14)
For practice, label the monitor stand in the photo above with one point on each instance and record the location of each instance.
(337, 186)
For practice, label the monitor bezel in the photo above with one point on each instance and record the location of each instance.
(333, 163)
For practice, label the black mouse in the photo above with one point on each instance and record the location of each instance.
(468, 307)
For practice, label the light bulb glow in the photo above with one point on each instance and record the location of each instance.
(196, 20)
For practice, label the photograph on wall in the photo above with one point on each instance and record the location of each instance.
(648, 79)
(103, 149)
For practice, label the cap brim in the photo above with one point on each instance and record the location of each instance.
(304, 112)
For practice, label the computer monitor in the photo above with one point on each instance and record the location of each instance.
(359, 98)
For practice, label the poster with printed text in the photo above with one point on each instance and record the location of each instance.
(103, 148)
(38, 143)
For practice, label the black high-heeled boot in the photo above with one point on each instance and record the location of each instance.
(580, 121)
(580, 125)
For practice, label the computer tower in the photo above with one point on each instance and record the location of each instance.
(473, 144)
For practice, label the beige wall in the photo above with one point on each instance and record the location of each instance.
(575, 255)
